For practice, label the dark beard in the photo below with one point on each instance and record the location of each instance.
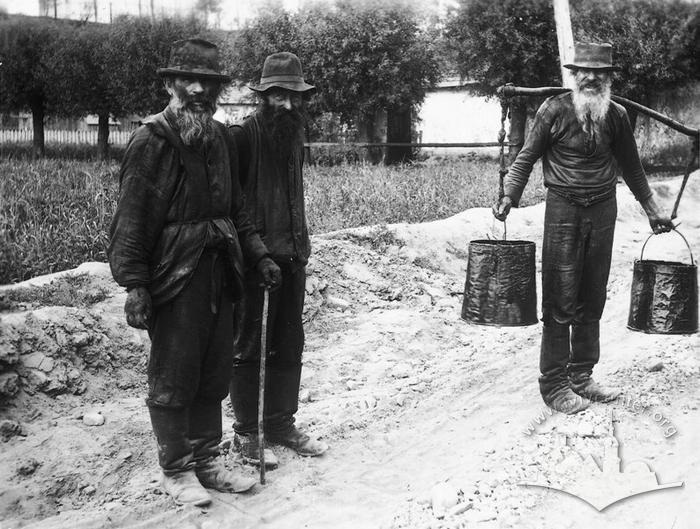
(284, 127)
(196, 125)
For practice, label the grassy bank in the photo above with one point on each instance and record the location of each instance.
(55, 213)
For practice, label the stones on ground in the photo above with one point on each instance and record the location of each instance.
(9, 384)
(93, 418)
(401, 370)
(28, 467)
(334, 302)
(304, 395)
(444, 496)
(655, 366)
(10, 429)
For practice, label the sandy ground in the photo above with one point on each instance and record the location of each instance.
(432, 421)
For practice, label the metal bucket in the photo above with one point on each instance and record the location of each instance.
(664, 298)
(500, 285)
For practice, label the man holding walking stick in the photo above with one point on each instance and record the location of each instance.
(270, 145)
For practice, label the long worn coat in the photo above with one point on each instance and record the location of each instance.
(274, 191)
(174, 202)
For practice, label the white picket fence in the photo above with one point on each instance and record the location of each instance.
(116, 137)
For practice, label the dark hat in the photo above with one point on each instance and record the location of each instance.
(282, 70)
(194, 58)
(592, 57)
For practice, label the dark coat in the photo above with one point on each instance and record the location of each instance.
(174, 202)
(274, 190)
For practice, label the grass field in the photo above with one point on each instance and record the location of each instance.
(55, 213)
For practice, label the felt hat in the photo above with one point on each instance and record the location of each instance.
(282, 70)
(592, 57)
(194, 58)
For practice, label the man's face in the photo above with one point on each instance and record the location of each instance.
(279, 98)
(591, 82)
(195, 94)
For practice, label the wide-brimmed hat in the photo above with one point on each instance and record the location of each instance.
(592, 57)
(194, 58)
(282, 70)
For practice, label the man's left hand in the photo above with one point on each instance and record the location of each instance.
(659, 222)
(270, 273)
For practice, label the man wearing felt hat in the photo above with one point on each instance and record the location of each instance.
(580, 136)
(180, 241)
(270, 144)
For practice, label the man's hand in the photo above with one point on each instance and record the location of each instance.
(138, 307)
(270, 273)
(502, 208)
(659, 222)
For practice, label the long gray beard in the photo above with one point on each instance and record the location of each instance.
(591, 109)
(196, 127)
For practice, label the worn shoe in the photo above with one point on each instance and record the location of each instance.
(185, 489)
(247, 446)
(590, 389)
(566, 401)
(213, 474)
(298, 441)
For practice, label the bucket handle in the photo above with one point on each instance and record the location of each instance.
(692, 261)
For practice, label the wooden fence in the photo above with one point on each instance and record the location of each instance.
(116, 137)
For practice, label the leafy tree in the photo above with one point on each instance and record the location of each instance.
(363, 57)
(643, 33)
(81, 66)
(24, 81)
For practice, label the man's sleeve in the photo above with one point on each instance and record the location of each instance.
(251, 244)
(140, 212)
(243, 148)
(627, 156)
(534, 147)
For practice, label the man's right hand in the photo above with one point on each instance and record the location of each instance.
(502, 208)
(138, 307)
(270, 273)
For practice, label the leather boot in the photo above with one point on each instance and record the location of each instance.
(244, 397)
(554, 357)
(171, 428)
(185, 488)
(247, 445)
(280, 407)
(566, 401)
(583, 384)
(213, 474)
(205, 430)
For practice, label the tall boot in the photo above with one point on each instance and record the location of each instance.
(554, 357)
(585, 353)
(244, 397)
(281, 403)
(171, 428)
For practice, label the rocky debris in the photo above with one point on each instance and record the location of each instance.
(93, 418)
(443, 497)
(655, 366)
(28, 467)
(10, 429)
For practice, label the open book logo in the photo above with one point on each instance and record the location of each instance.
(602, 485)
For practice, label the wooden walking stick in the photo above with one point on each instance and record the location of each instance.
(261, 390)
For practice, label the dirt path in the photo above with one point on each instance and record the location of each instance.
(406, 393)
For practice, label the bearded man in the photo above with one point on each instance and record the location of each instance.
(579, 135)
(270, 143)
(177, 243)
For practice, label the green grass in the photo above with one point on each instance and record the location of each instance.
(346, 196)
(55, 213)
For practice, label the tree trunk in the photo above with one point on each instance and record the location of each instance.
(516, 136)
(103, 135)
(398, 130)
(37, 108)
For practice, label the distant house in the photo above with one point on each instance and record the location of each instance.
(453, 112)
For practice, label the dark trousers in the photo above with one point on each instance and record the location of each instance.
(576, 255)
(285, 341)
(190, 365)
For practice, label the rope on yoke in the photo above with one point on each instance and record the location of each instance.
(503, 169)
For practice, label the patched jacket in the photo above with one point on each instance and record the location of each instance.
(274, 190)
(571, 162)
(174, 202)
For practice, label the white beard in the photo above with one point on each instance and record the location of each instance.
(591, 108)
